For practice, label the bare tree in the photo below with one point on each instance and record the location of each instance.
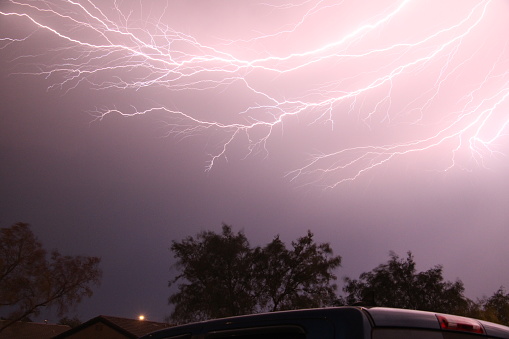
(29, 281)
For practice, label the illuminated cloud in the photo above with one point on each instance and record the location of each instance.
(361, 84)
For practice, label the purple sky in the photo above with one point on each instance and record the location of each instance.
(378, 126)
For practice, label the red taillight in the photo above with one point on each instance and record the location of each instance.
(455, 323)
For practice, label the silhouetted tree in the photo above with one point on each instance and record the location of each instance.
(398, 284)
(221, 275)
(216, 276)
(29, 281)
(494, 308)
(301, 277)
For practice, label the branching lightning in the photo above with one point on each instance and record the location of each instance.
(384, 86)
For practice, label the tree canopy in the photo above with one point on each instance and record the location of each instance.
(222, 275)
(30, 281)
(300, 277)
(218, 274)
(398, 284)
(494, 308)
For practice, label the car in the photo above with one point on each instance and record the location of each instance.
(347, 322)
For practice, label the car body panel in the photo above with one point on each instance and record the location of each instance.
(330, 323)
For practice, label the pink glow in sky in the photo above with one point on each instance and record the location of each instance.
(378, 125)
(353, 85)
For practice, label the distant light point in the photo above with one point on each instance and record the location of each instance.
(141, 317)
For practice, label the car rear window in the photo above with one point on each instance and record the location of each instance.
(403, 333)
(269, 332)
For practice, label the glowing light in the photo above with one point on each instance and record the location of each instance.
(391, 81)
(141, 317)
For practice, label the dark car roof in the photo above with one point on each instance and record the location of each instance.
(352, 317)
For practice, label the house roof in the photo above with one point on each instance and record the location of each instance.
(131, 328)
(29, 330)
(135, 326)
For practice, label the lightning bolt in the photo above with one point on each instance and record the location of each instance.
(409, 81)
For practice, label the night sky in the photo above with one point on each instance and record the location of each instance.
(378, 126)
